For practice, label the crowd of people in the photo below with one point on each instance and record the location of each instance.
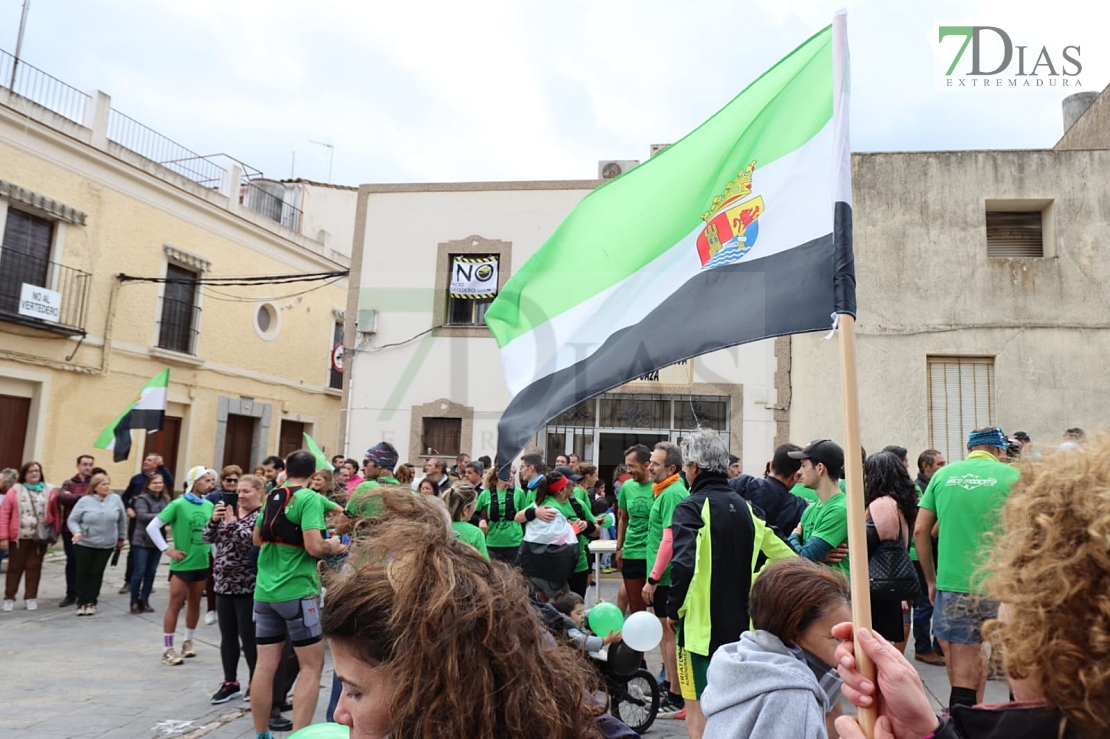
(435, 587)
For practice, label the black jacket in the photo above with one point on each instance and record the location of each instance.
(781, 509)
(712, 521)
(138, 482)
(1018, 721)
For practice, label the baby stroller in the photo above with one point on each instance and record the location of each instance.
(633, 692)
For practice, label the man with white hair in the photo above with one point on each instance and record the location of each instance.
(708, 607)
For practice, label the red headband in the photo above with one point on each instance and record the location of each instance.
(554, 487)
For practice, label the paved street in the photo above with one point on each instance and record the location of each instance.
(66, 677)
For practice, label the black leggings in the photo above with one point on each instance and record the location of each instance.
(580, 582)
(235, 614)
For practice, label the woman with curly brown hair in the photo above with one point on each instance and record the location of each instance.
(432, 640)
(1050, 570)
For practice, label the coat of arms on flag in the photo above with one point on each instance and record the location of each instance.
(731, 226)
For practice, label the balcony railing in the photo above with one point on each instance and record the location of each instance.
(146, 142)
(39, 87)
(72, 285)
(205, 170)
(270, 205)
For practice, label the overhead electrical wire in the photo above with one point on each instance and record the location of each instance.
(240, 281)
(214, 294)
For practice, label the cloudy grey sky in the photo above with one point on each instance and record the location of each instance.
(517, 89)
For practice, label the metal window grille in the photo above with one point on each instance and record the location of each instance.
(961, 399)
(442, 436)
(180, 313)
(1015, 234)
(25, 257)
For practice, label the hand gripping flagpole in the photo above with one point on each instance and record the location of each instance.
(857, 512)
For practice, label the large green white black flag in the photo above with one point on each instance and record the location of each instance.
(740, 231)
(147, 412)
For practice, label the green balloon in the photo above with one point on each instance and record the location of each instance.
(606, 618)
(322, 731)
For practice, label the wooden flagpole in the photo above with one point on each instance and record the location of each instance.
(857, 511)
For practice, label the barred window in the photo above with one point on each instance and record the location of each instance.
(178, 327)
(25, 257)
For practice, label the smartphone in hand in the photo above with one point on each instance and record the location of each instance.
(230, 499)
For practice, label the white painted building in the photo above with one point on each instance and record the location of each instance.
(425, 372)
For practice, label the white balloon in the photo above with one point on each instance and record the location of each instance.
(642, 631)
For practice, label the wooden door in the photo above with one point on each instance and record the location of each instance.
(165, 443)
(291, 438)
(237, 441)
(14, 414)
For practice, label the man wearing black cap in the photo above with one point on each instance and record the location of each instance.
(824, 526)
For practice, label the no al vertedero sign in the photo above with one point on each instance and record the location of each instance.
(38, 302)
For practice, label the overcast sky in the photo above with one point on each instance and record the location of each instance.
(516, 89)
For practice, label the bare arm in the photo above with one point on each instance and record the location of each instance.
(622, 529)
(316, 545)
(923, 538)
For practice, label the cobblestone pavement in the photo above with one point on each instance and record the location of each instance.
(65, 677)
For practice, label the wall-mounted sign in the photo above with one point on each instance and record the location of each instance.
(473, 278)
(337, 357)
(679, 373)
(36, 301)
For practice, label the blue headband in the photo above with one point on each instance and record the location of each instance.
(991, 437)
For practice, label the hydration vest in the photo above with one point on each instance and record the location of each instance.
(495, 507)
(276, 528)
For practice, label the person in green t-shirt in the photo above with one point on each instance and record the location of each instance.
(554, 493)
(634, 502)
(461, 499)
(824, 526)
(805, 493)
(579, 494)
(378, 467)
(499, 506)
(669, 490)
(965, 498)
(290, 532)
(189, 558)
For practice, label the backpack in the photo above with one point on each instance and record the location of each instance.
(275, 527)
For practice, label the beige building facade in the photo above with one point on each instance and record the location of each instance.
(982, 289)
(425, 372)
(115, 240)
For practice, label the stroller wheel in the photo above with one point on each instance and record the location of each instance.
(635, 701)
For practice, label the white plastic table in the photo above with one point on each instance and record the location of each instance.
(598, 547)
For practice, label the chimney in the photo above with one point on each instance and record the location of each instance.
(1075, 105)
